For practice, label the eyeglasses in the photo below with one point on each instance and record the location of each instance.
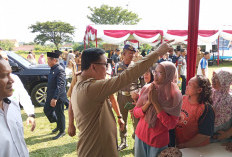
(156, 72)
(106, 64)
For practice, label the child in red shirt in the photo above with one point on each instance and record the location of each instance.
(196, 122)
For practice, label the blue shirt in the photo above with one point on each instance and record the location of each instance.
(115, 58)
(174, 58)
(162, 60)
(203, 63)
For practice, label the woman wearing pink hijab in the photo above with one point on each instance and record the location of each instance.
(158, 108)
(41, 59)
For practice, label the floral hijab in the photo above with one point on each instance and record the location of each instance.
(222, 98)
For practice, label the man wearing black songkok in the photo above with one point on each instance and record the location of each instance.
(56, 94)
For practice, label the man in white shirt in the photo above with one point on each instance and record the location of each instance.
(182, 70)
(21, 96)
(12, 138)
(71, 55)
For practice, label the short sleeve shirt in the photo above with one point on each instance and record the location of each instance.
(173, 58)
(194, 119)
(182, 63)
(203, 64)
(115, 58)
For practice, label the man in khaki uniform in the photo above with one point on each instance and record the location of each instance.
(124, 95)
(199, 56)
(90, 103)
(137, 56)
(65, 56)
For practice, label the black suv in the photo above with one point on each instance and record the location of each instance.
(33, 77)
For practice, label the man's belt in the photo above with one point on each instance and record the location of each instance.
(124, 93)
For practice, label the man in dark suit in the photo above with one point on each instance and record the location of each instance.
(56, 94)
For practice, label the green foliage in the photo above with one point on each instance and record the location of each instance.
(113, 15)
(56, 32)
(145, 47)
(7, 45)
(80, 47)
(39, 49)
(21, 52)
(30, 43)
(75, 46)
(44, 48)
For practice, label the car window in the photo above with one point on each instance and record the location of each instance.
(19, 58)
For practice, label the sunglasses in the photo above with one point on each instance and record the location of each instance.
(106, 64)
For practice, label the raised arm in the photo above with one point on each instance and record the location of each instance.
(107, 87)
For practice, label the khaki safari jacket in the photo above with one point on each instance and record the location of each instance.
(93, 113)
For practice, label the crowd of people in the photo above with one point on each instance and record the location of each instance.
(163, 114)
(68, 59)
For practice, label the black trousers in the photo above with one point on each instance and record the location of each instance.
(56, 114)
(172, 138)
(183, 85)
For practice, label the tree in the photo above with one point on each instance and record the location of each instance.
(75, 46)
(7, 45)
(44, 48)
(80, 46)
(56, 32)
(145, 47)
(113, 15)
(30, 43)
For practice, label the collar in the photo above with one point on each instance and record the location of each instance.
(83, 78)
(6, 100)
(127, 64)
(54, 66)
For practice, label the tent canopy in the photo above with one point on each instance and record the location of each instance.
(117, 34)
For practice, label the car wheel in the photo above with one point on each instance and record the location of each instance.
(39, 94)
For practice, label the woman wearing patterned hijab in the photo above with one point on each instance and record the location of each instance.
(222, 103)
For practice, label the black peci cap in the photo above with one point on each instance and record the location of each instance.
(55, 54)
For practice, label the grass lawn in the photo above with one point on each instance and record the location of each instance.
(40, 144)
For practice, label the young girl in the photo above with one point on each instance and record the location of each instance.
(147, 78)
(196, 122)
(158, 108)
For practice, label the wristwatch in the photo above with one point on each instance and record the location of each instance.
(120, 116)
(31, 115)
